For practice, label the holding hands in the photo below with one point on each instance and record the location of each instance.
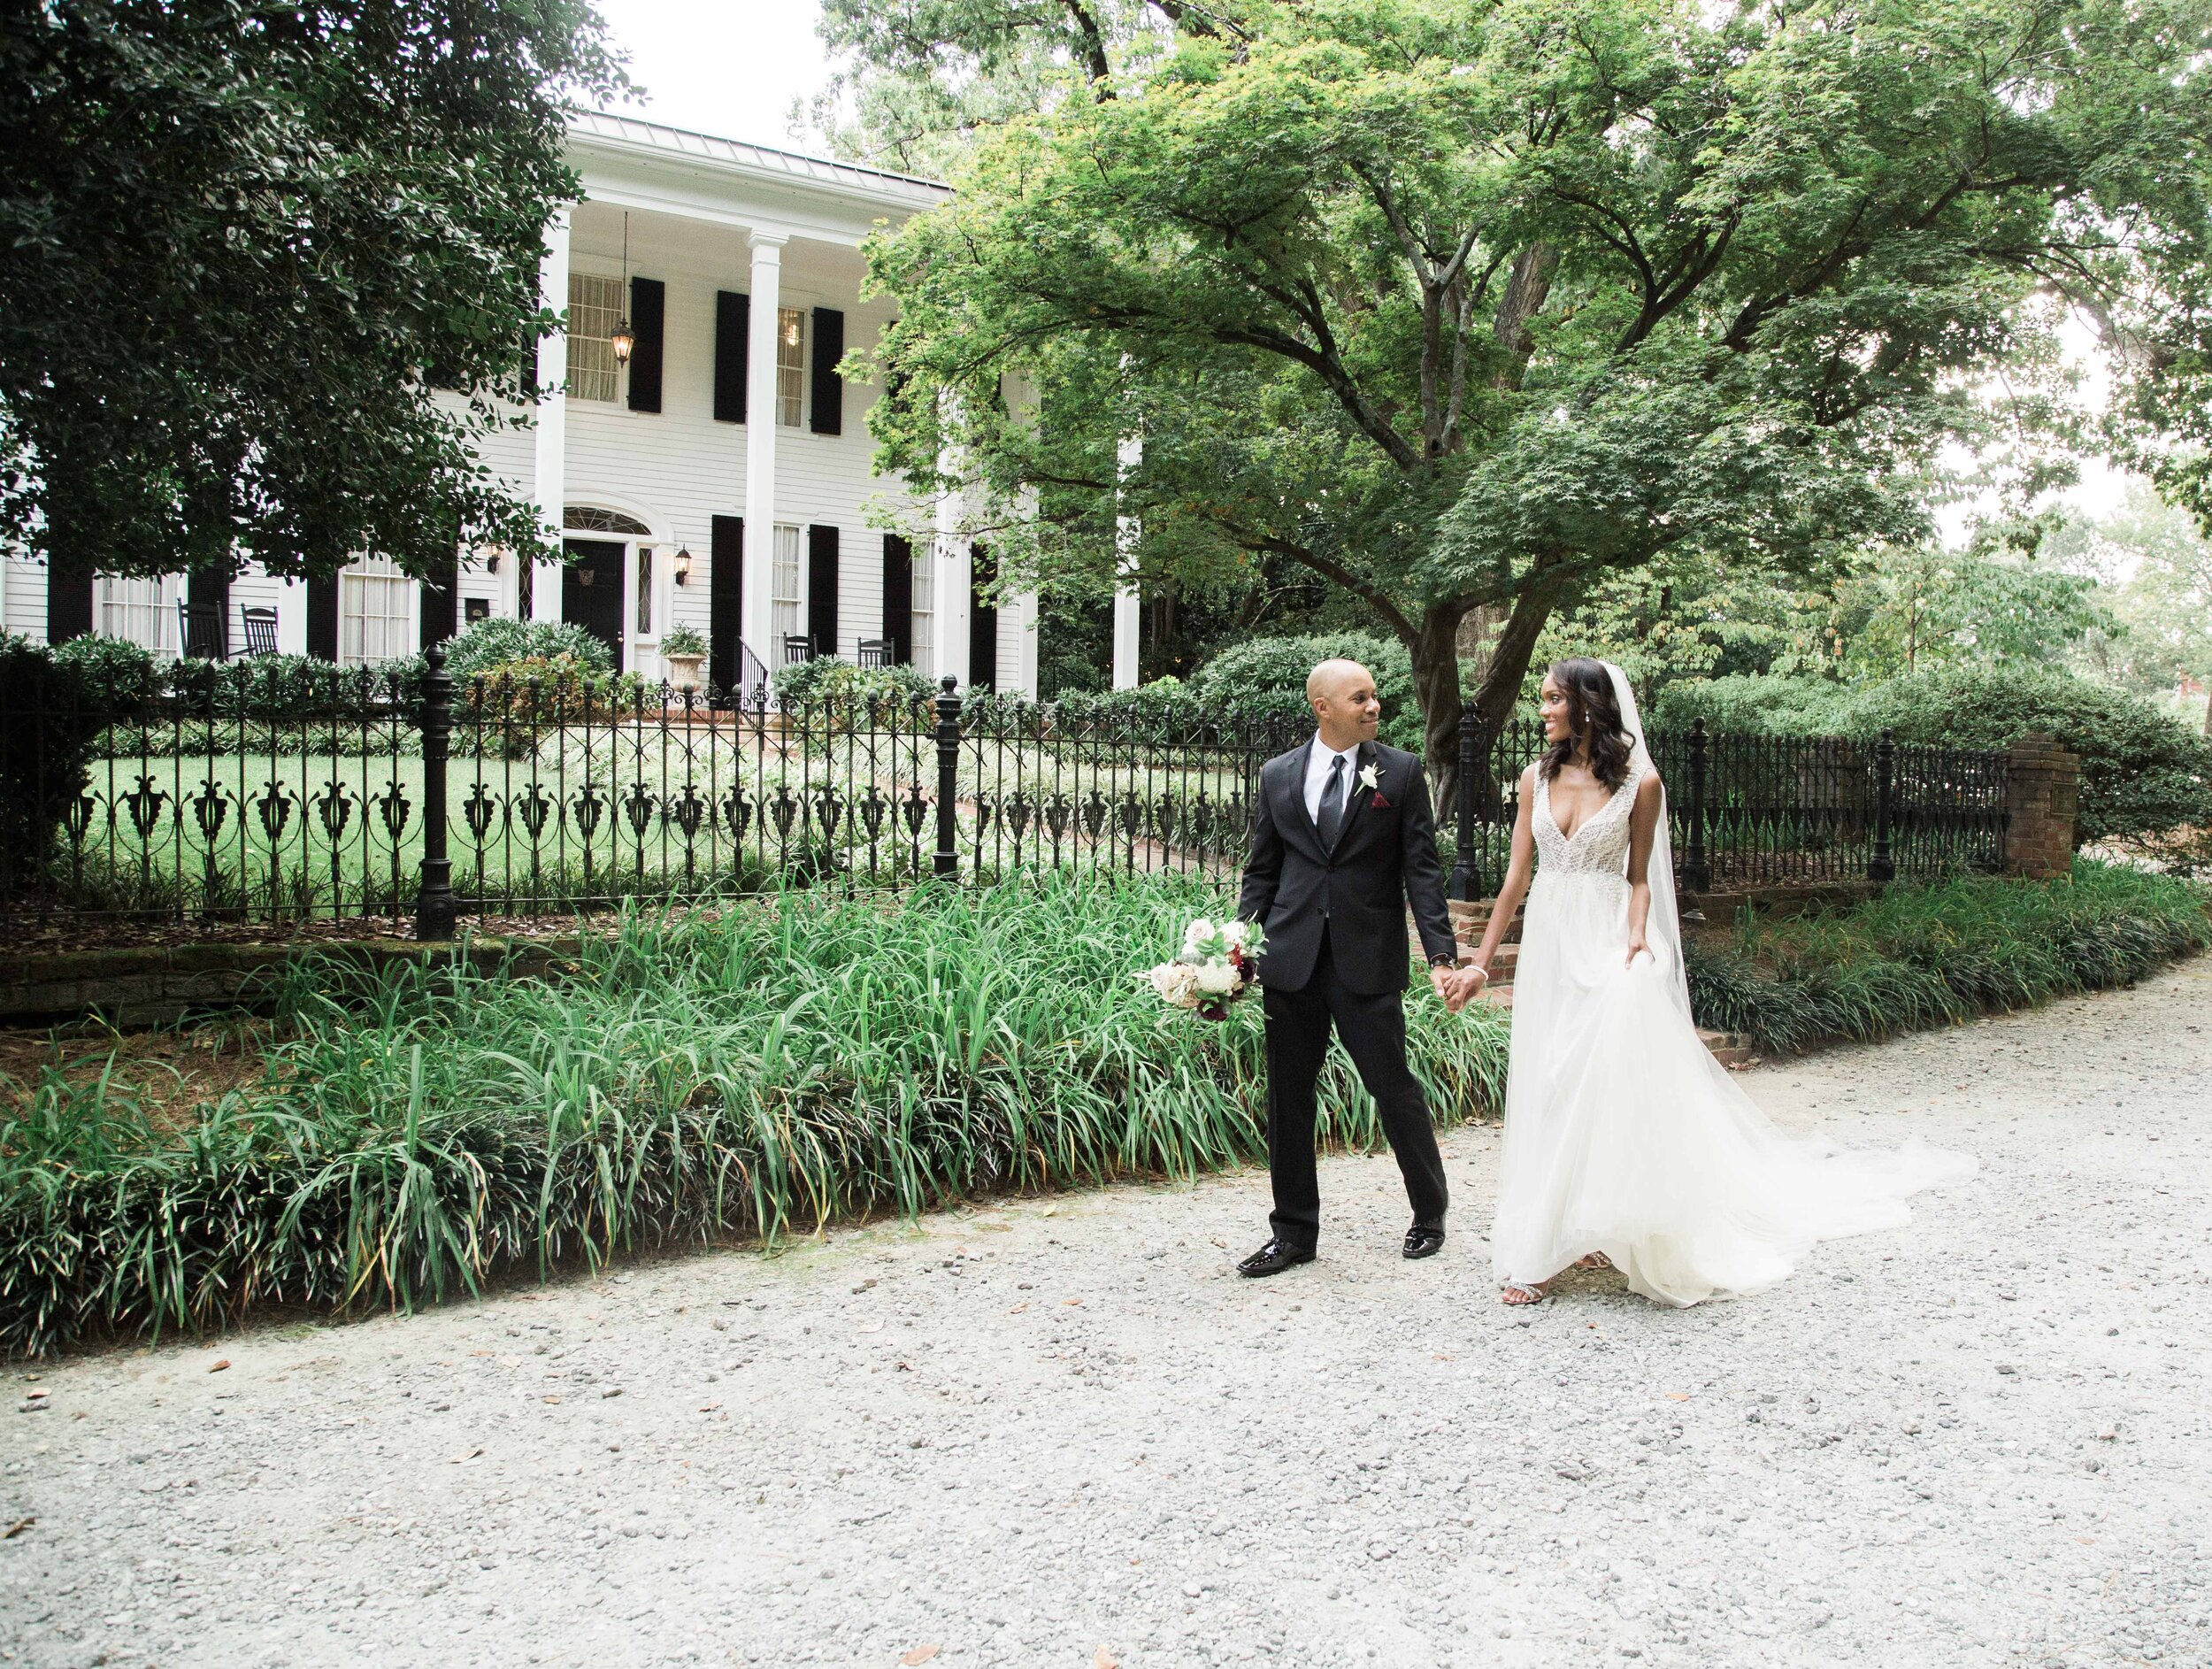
(1459, 986)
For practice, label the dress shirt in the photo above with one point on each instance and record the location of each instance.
(1318, 758)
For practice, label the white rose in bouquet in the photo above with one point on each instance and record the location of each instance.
(1218, 964)
(1177, 982)
(1218, 979)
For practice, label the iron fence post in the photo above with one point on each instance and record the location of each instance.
(1466, 881)
(1697, 870)
(434, 907)
(948, 861)
(1879, 865)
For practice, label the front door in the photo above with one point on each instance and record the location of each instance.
(591, 590)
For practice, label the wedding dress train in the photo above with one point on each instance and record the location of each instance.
(1623, 1135)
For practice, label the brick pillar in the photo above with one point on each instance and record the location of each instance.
(2042, 785)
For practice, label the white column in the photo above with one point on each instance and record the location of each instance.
(552, 455)
(292, 618)
(1126, 603)
(954, 573)
(1017, 642)
(758, 628)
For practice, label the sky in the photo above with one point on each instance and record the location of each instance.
(727, 67)
(734, 67)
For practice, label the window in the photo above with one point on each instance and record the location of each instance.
(140, 611)
(375, 612)
(790, 366)
(594, 307)
(645, 590)
(925, 591)
(785, 590)
(591, 519)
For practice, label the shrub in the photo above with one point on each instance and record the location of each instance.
(54, 706)
(807, 1059)
(683, 639)
(507, 708)
(1925, 956)
(827, 678)
(2142, 773)
(111, 669)
(1266, 676)
(500, 643)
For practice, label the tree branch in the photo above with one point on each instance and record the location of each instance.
(1091, 46)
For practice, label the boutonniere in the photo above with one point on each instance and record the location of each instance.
(1371, 779)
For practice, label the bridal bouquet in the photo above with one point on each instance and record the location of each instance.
(1218, 962)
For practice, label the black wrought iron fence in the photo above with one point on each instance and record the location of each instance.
(215, 796)
(1760, 811)
(235, 794)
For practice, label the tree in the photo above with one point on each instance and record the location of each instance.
(1997, 602)
(1466, 303)
(233, 235)
(2156, 569)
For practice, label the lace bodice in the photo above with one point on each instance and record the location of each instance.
(1600, 847)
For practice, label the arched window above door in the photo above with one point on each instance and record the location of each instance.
(591, 519)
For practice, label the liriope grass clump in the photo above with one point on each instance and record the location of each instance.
(1917, 956)
(795, 1061)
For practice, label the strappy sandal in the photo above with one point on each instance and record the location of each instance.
(1536, 1295)
(1594, 1260)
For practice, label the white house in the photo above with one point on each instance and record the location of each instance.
(720, 479)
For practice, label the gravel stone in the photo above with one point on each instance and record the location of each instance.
(1061, 1431)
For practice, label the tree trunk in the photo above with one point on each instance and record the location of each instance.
(1500, 686)
(1435, 651)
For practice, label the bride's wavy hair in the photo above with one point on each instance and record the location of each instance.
(1591, 712)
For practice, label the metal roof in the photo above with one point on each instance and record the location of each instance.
(758, 160)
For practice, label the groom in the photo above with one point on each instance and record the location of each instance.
(1343, 840)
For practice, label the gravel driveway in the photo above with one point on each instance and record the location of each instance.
(1063, 1434)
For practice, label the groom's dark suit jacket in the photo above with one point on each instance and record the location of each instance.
(1385, 856)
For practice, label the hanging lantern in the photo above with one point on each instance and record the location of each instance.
(624, 339)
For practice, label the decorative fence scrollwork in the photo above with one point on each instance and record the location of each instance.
(225, 794)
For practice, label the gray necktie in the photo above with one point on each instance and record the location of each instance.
(1331, 819)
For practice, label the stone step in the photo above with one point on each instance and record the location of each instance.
(1731, 1049)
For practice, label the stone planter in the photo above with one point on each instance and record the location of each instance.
(683, 670)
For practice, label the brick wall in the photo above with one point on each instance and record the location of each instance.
(2042, 786)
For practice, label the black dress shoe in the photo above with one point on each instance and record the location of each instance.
(1425, 1240)
(1273, 1258)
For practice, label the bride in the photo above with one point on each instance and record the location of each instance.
(1627, 1144)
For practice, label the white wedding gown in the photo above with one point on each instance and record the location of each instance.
(1623, 1135)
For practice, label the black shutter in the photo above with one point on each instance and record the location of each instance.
(982, 622)
(829, 388)
(725, 598)
(898, 598)
(649, 318)
(322, 617)
(733, 325)
(212, 586)
(68, 605)
(439, 614)
(821, 589)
